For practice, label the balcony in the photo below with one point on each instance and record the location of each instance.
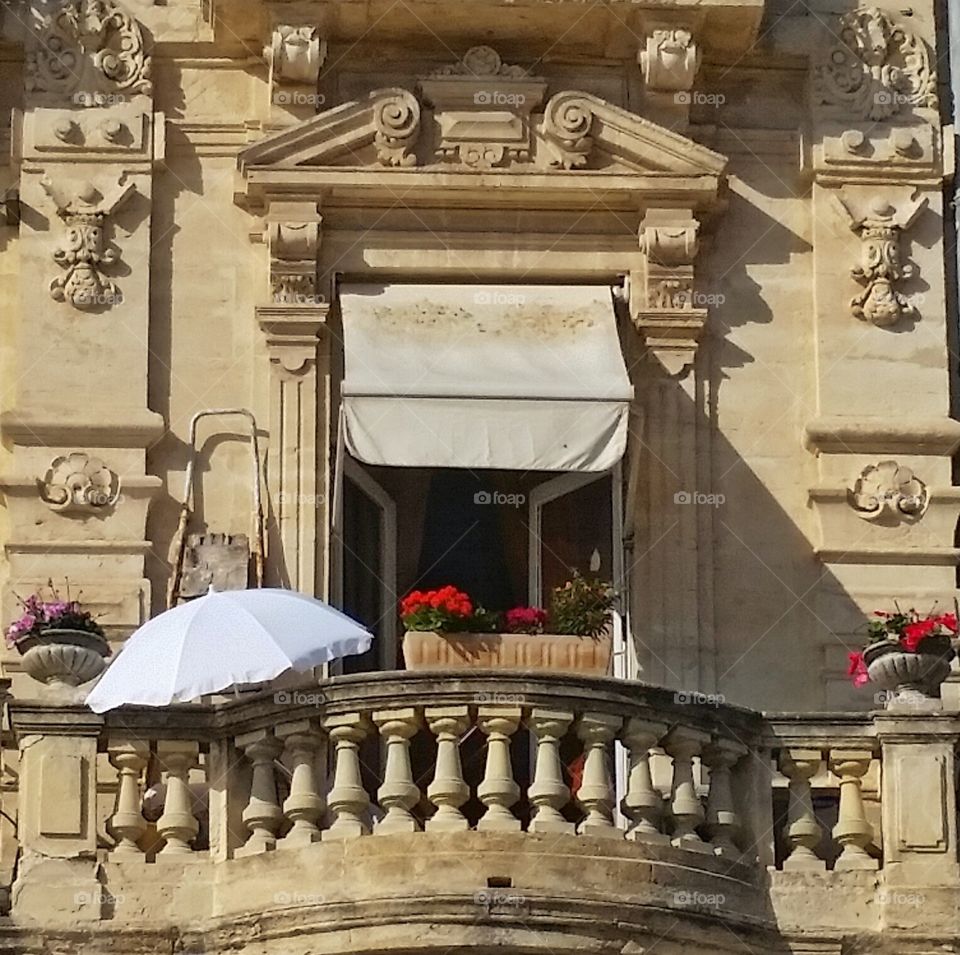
(446, 821)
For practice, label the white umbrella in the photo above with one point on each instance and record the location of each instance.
(225, 639)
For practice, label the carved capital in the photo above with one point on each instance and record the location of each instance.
(873, 68)
(879, 221)
(83, 252)
(293, 335)
(86, 51)
(669, 59)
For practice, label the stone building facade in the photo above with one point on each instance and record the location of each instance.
(208, 203)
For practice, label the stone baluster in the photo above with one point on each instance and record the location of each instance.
(177, 826)
(803, 832)
(498, 791)
(304, 806)
(448, 791)
(347, 799)
(398, 794)
(262, 815)
(723, 821)
(127, 825)
(682, 745)
(596, 793)
(852, 830)
(643, 803)
(548, 793)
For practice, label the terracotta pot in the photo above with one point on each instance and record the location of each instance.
(910, 680)
(62, 657)
(559, 653)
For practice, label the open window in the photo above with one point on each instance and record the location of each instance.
(481, 432)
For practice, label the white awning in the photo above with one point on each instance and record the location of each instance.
(520, 377)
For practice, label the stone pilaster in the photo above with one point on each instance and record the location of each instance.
(90, 143)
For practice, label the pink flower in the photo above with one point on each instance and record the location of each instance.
(526, 619)
(857, 670)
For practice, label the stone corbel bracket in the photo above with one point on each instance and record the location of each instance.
(296, 54)
(669, 61)
(83, 252)
(294, 244)
(663, 304)
(879, 221)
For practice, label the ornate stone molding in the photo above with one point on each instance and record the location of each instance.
(879, 223)
(77, 482)
(669, 60)
(83, 252)
(888, 490)
(482, 108)
(87, 50)
(875, 68)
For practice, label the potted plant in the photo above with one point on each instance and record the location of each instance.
(60, 642)
(445, 630)
(907, 656)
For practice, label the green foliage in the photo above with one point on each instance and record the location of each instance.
(581, 606)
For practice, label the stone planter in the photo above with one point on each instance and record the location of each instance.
(61, 657)
(558, 653)
(910, 680)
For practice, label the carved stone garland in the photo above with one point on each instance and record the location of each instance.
(875, 68)
(79, 482)
(82, 252)
(879, 225)
(90, 48)
(889, 490)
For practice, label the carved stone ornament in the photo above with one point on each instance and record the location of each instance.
(670, 242)
(296, 54)
(87, 50)
(670, 60)
(875, 68)
(79, 482)
(567, 122)
(82, 251)
(293, 262)
(879, 226)
(482, 61)
(888, 490)
(396, 120)
(482, 109)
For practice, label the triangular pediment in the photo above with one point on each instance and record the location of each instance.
(574, 131)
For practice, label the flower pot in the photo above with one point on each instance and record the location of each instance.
(61, 657)
(910, 680)
(558, 653)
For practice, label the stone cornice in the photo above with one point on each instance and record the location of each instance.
(842, 435)
(137, 428)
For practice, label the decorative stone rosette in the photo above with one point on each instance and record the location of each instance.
(888, 490)
(79, 482)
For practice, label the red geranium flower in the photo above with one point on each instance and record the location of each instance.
(857, 670)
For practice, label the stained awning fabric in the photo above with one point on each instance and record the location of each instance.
(516, 377)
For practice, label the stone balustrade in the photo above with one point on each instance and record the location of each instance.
(746, 800)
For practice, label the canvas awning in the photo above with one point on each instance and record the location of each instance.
(472, 376)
